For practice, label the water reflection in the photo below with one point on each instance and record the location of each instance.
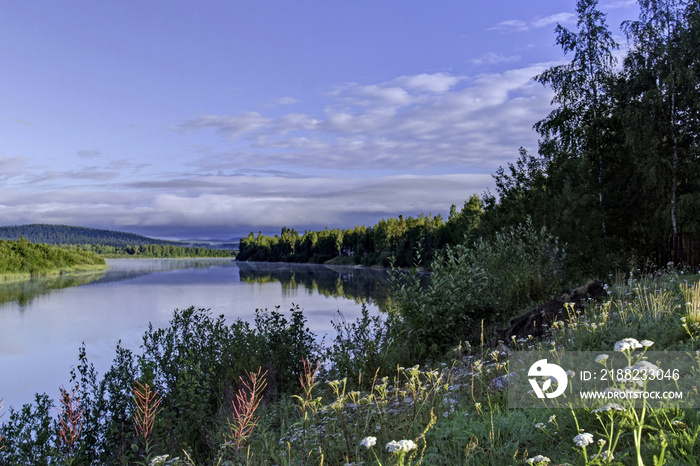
(23, 292)
(362, 285)
(359, 284)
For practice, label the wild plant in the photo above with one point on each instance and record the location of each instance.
(29, 433)
(358, 348)
(489, 281)
(147, 402)
(399, 449)
(307, 405)
(245, 404)
(691, 319)
(70, 423)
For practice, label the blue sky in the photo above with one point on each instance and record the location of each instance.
(209, 119)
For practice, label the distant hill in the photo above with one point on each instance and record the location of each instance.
(65, 234)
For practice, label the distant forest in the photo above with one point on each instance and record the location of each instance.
(108, 243)
(403, 240)
(616, 177)
(65, 234)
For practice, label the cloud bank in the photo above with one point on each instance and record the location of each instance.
(413, 144)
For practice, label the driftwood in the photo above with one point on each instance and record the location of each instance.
(538, 321)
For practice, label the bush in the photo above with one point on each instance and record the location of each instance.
(193, 367)
(487, 283)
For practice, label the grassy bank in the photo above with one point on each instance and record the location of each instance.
(21, 260)
(204, 392)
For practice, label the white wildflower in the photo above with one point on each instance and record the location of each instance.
(401, 445)
(609, 407)
(393, 446)
(646, 343)
(601, 358)
(539, 425)
(552, 418)
(627, 344)
(159, 460)
(646, 366)
(538, 459)
(582, 440)
(408, 445)
(368, 442)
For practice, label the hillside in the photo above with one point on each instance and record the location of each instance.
(65, 234)
(22, 259)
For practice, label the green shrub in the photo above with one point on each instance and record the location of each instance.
(486, 283)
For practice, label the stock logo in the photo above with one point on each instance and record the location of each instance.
(552, 372)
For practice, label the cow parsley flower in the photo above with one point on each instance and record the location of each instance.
(408, 445)
(627, 344)
(609, 407)
(538, 459)
(401, 446)
(368, 442)
(601, 358)
(646, 343)
(393, 446)
(582, 440)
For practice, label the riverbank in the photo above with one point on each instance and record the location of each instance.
(361, 408)
(6, 278)
(22, 260)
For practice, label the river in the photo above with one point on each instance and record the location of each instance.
(44, 321)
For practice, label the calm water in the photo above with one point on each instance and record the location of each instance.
(43, 322)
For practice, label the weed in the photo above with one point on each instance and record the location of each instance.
(245, 404)
(70, 420)
(147, 404)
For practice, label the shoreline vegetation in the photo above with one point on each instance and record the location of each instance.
(202, 391)
(23, 260)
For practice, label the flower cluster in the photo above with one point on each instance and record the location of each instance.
(627, 344)
(584, 439)
(538, 459)
(368, 442)
(609, 407)
(401, 446)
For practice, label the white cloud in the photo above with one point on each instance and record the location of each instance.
(285, 101)
(375, 150)
(510, 25)
(437, 82)
(616, 4)
(409, 123)
(230, 126)
(557, 18)
(494, 59)
(239, 203)
(518, 25)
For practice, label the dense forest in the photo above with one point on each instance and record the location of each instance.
(617, 174)
(404, 240)
(65, 234)
(22, 258)
(109, 243)
(154, 251)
